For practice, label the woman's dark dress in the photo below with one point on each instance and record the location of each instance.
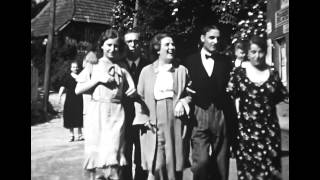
(259, 147)
(73, 105)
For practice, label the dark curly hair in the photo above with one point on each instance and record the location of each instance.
(260, 41)
(207, 28)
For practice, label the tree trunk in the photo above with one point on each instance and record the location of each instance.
(135, 20)
(48, 57)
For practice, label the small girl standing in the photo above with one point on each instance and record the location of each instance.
(104, 125)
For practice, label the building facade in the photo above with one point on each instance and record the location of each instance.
(278, 37)
(81, 21)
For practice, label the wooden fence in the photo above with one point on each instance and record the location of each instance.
(34, 83)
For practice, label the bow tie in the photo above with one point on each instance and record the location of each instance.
(210, 56)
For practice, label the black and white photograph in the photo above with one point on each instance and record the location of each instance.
(159, 89)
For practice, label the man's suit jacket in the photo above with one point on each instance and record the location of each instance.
(127, 101)
(209, 89)
(124, 64)
(200, 79)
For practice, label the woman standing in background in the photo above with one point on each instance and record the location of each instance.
(73, 105)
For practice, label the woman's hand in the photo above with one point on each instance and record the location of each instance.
(123, 161)
(59, 100)
(179, 110)
(131, 92)
(106, 79)
(149, 126)
(184, 131)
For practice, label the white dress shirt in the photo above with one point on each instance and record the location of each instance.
(207, 63)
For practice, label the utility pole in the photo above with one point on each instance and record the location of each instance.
(48, 57)
(135, 20)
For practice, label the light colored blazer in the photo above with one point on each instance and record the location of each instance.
(146, 111)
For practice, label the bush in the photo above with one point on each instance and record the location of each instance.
(37, 113)
(63, 53)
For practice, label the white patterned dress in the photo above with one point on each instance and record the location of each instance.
(104, 124)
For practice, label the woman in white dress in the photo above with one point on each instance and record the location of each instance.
(104, 125)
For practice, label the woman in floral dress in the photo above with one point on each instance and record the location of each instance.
(104, 125)
(259, 89)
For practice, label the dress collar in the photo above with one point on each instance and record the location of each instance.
(168, 67)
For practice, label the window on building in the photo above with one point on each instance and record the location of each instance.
(269, 52)
(282, 63)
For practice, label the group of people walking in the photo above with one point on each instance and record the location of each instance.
(167, 108)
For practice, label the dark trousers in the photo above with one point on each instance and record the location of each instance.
(132, 139)
(209, 145)
(231, 125)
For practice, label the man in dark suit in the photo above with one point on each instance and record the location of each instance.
(133, 63)
(209, 72)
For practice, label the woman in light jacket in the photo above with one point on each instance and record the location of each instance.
(163, 110)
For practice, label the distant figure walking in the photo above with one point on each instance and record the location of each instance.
(73, 105)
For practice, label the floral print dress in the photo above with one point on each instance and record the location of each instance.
(259, 147)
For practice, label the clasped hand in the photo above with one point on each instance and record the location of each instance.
(106, 79)
(179, 110)
(150, 126)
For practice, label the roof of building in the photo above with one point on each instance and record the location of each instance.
(90, 11)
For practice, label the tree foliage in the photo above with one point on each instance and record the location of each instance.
(238, 19)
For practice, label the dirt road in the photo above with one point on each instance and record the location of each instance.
(54, 158)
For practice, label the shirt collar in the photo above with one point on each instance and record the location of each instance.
(136, 61)
(205, 52)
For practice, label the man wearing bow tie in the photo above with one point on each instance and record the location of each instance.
(133, 63)
(209, 73)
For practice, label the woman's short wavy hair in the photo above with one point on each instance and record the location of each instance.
(155, 44)
(109, 34)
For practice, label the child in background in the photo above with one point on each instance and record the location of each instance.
(240, 53)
